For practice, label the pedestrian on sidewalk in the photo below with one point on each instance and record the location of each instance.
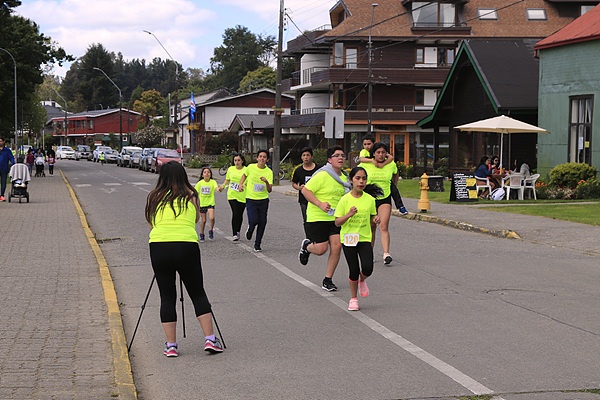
(235, 197)
(258, 179)
(51, 161)
(323, 192)
(301, 175)
(355, 213)
(172, 210)
(7, 159)
(206, 188)
(29, 160)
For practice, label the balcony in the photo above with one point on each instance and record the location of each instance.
(380, 115)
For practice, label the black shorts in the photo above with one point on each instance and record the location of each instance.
(320, 231)
(204, 210)
(387, 200)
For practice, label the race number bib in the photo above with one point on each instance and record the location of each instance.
(351, 239)
(259, 187)
(205, 190)
(234, 186)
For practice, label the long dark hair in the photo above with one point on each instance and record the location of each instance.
(482, 161)
(372, 188)
(240, 155)
(376, 146)
(172, 186)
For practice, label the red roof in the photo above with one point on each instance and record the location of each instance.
(583, 29)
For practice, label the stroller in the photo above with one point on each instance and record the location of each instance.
(39, 166)
(19, 178)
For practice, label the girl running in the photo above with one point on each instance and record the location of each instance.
(237, 199)
(355, 213)
(206, 189)
(172, 212)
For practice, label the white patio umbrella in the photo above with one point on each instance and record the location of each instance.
(502, 125)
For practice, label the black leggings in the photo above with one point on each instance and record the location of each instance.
(184, 258)
(396, 196)
(364, 251)
(237, 215)
(257, 216)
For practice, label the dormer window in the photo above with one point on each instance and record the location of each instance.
(536, 14)
(487, 13)
(433, 14)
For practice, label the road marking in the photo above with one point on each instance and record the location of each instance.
(112, 184)
(443, 367)
(83, 185)
(140, 183)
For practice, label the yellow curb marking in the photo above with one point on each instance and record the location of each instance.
(122, 365)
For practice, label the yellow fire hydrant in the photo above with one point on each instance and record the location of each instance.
(424, 204)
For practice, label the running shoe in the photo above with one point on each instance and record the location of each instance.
(236, 237)
(202, 238)
(211, 235)
(363, 289)
(2, 198)
(249, 233)
(387, 259)
(403, 210)
(213, 347)
(353, 304)
(304, 253)
(329, 285)
(170, 351)
(257, 249)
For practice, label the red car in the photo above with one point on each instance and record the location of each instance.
(162, 156)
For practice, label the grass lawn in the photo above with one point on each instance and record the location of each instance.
(567, 210)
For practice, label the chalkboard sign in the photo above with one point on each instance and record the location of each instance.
(464, 188)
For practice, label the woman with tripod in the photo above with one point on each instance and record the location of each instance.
(172, 210)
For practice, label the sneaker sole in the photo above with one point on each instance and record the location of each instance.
(388, 260)
(328, 289)
(213, 350)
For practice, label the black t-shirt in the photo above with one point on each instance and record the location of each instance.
(300, 177)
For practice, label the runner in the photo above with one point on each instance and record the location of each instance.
(236, 199)
(355, 213)
(323, 192)
(382, 177)
(206, 189)
(258, 179)
(301, 175)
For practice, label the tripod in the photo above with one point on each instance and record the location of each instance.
(182, 314)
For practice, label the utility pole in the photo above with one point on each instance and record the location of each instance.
(370, 81)
(278, 109)
(66, 128)
(120, 107)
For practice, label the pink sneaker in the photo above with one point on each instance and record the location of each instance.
(363, 289)
(353, 305)
(171, 351)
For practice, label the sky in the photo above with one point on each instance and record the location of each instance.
(188, 29)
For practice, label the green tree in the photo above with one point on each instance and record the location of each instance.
(149, 104)
(263, 77)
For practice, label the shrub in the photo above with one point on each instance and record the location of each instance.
(320, 156)
(405, 171)
(547, 192)
(570, 174)
(588, 189)
(195, 162)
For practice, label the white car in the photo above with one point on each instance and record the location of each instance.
(63, 152)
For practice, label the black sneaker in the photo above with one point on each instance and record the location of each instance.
(387, 260)
(257, 249)
(329, 285)
(303, 255)
(249, 233)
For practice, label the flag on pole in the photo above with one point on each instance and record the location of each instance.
(192, 106)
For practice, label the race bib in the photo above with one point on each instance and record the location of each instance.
(351, 239)
(259, 187)
(205, 190)
(234, 186)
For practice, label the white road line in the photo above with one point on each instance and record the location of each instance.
(83, 185)
(446, 369)
(112, 184)
(140, 183)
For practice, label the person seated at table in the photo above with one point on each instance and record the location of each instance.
(495, 165)
(483, 169)
(521, 167)
(497, 192)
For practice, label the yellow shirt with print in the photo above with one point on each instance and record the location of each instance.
(361, 221)
(381, 176)
(206, 192)
(234, 176)
(326, 189)
(254, 187)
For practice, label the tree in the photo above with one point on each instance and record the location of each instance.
(263, 77)
(149, 104)
(150, 136)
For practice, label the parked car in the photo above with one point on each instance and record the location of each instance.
(63, 152)
(111, 156)
(163, 156)
(97, 150)
(124, 156)
(147, 157)
(134, 160)
(83, 152)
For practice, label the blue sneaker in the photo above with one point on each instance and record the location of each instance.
(202, 237)
(403, 210)
(211, 235)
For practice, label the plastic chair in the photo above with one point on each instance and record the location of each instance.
(515, 183)
(482, 183)
(530, 184)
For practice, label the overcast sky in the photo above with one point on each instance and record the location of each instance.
(188, 29)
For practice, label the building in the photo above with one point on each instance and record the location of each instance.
(385, 64)
(569, 94)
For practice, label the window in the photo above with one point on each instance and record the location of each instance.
(419, 97)
(425, 99)
(420, 56)
(338, 54)
(433, 14)
(351, 58)
(262, 113)
(487, 13)
(580, 129)
(445, 56)
(585, 9)
(536, 14)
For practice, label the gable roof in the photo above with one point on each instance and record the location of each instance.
(257, 121)
(583, 29)
(252, 93)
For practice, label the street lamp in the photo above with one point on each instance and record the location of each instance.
(175, 124)
(120, 106)
(15, 78)
(370, 82)
(66, 121)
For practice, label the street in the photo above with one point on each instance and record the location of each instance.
(457, 313)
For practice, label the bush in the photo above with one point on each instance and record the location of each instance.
(570, 174)
(320, 156)
(195, 162)
(588, 189)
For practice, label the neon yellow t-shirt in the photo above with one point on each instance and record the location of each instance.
(168, 228)
(326, 189)
(206, 192)
(381, 176)
(361, 221)
(234, 176)
(255, 188)
(364, 153)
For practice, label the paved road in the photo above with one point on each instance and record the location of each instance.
(458, 312)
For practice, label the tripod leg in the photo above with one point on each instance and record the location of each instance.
(141, 312)
(181, 298)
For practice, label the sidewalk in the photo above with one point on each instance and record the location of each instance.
(55, 330)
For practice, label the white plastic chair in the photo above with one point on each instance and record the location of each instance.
(515, 182)
(482, 183)
(530, 184)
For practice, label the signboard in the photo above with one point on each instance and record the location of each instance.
(464, 188)
(334, 124)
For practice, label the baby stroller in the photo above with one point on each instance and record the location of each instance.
(39, 166)
(19, 178)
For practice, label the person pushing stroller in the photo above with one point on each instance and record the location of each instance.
(40, 160)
